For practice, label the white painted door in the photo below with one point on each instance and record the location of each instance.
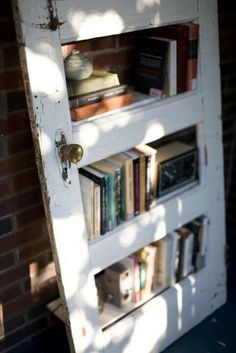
(42, 26)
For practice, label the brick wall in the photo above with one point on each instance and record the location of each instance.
(27, 276)
(27, 280)
(227, 27)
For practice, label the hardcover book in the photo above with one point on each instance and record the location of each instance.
(97, 96)
(98, 80)
(101, 180)
(193, 36)
(155, 68)
(180, 34)
(101, 107)
(127, 162)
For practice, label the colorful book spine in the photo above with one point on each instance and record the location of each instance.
(97, 96)
(101, 107)
(102, 182)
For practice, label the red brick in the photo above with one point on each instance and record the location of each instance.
(92, 45)
(11, 292)
(19, 143)
(18, 305)
(34, 249)
(11, 80)
(10, 57)
(22, 334)
(15, 163)
(126, 39)
(25, 180)
(114, 59)
(4, 188)
(15, 122)
(30, 215)
(13, 275)
(7, 31)
(23, 237)
(19, 201)
(6, 261)
(227, 39)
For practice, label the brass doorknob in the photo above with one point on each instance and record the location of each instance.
(72, 153)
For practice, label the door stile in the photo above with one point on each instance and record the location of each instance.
(45, 86)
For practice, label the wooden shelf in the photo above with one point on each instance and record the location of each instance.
(148, 227)
(141, 122)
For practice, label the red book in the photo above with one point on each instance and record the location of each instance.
(193, 37)
(101, 107)
(179, 33)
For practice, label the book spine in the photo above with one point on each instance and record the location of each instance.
(192, 56)
(118, 196)
(182, 59)
(103, 197)
(142, 184)
(136, 186)
(148, 183)
(97, 211)
(129, 189)
(97, 96)
(122, 195)
(101, 107)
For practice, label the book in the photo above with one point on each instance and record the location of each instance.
(120, 187)
(97, 211)
(199, 228)
(150, 173)
(147, 256)
(132, 263)
(101, 180)
(193, 37)
(186, 251)
(161, 266)
(155, 68)
(128, 182)
(99, 79)
(101, 107)
(87, 193)
(142, 181)
(97, 96)
(118, 284)
(109, 172)
(135, 158)
(180, 34)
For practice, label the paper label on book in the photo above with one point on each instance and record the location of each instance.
(155, 92)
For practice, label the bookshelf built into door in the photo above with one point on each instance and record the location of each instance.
(45, 29)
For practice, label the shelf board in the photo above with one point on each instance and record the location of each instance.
(120, 17)
(142, 122)
(180, 308)
(162, 218)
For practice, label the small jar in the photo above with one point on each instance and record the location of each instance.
(78, 66)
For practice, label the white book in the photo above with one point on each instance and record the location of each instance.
(97, 211)
(187, 240)
(87, 193)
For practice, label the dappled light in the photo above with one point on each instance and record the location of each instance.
(78, 260)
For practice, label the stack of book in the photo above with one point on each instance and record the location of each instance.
(156, 266)
(166, 60)
(118, 188)
(97, 94)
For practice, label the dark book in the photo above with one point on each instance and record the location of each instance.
(156, 61)
(179, 33)
(97, 96)
(101, 180)
(135, 157)
(193, 36)
(110, 172)
(151, 64)
(101, 107)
